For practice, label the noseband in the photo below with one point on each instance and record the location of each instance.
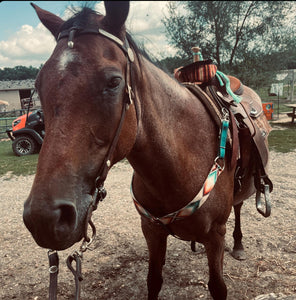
(99, 192)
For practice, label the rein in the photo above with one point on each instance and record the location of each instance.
(99, 192)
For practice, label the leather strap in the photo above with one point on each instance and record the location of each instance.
(77, 257)
(124, 46)
(235, 141)
(53, 277)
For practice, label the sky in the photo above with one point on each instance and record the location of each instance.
(25, 41)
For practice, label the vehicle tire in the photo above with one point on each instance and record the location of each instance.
(24, 145)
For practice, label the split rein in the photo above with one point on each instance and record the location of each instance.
(99, 192)
(77, 255)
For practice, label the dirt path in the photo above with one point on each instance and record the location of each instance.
(117, 268)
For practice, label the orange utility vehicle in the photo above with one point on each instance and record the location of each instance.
(27, 133)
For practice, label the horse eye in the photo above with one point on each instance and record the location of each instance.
(114, 82)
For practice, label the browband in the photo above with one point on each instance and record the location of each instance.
(71, 32)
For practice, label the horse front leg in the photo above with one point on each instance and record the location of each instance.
(215, 253)
(238, 251)
(156, 240)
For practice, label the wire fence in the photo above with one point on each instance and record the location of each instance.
(6, 119)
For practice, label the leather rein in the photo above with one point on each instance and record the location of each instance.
(99, 192)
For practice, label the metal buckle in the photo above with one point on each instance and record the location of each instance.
(221, 167)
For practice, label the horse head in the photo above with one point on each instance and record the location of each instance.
(84, 90)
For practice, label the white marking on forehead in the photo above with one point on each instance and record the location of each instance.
(66, 57)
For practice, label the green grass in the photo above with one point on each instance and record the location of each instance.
(9, 162)
(283, 139)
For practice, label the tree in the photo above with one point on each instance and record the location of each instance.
(230, 32)
(19, 73)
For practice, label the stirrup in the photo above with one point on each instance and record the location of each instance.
(259, 203)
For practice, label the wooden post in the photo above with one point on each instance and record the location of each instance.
(196, 53)
(292, 86)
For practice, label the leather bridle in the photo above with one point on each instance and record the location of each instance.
(99, 192)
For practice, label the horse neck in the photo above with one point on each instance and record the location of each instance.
(172, 127)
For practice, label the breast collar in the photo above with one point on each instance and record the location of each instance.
(191, 207)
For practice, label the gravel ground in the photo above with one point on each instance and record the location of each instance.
(117, 267)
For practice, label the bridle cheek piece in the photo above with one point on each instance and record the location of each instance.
(99, 192)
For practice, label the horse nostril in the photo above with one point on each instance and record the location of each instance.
(66, 219)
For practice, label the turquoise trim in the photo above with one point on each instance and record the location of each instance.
(199, 54)
(219, 74)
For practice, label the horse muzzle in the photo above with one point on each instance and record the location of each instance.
(55, 225)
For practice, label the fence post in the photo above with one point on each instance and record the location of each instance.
(292, 86)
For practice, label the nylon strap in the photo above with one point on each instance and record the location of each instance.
(223, 137)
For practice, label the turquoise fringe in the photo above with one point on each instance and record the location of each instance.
(220, 75)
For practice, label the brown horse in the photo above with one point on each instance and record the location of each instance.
(104, 101)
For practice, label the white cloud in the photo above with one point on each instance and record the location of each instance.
(32, 46)
(28, 46)
(144, 23)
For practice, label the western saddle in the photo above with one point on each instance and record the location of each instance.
(248, 124)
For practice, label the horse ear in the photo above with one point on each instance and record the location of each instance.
(49, 20)
(116, 14)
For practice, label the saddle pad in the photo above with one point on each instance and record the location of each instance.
(197, 72)
(202, 72)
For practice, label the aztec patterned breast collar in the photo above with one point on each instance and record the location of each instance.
(204, 192)
(190, 208)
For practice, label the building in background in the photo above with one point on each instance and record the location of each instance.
(17, 93)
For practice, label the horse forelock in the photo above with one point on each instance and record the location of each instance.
(83, 18)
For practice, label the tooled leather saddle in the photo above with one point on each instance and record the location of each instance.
(249, 126)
